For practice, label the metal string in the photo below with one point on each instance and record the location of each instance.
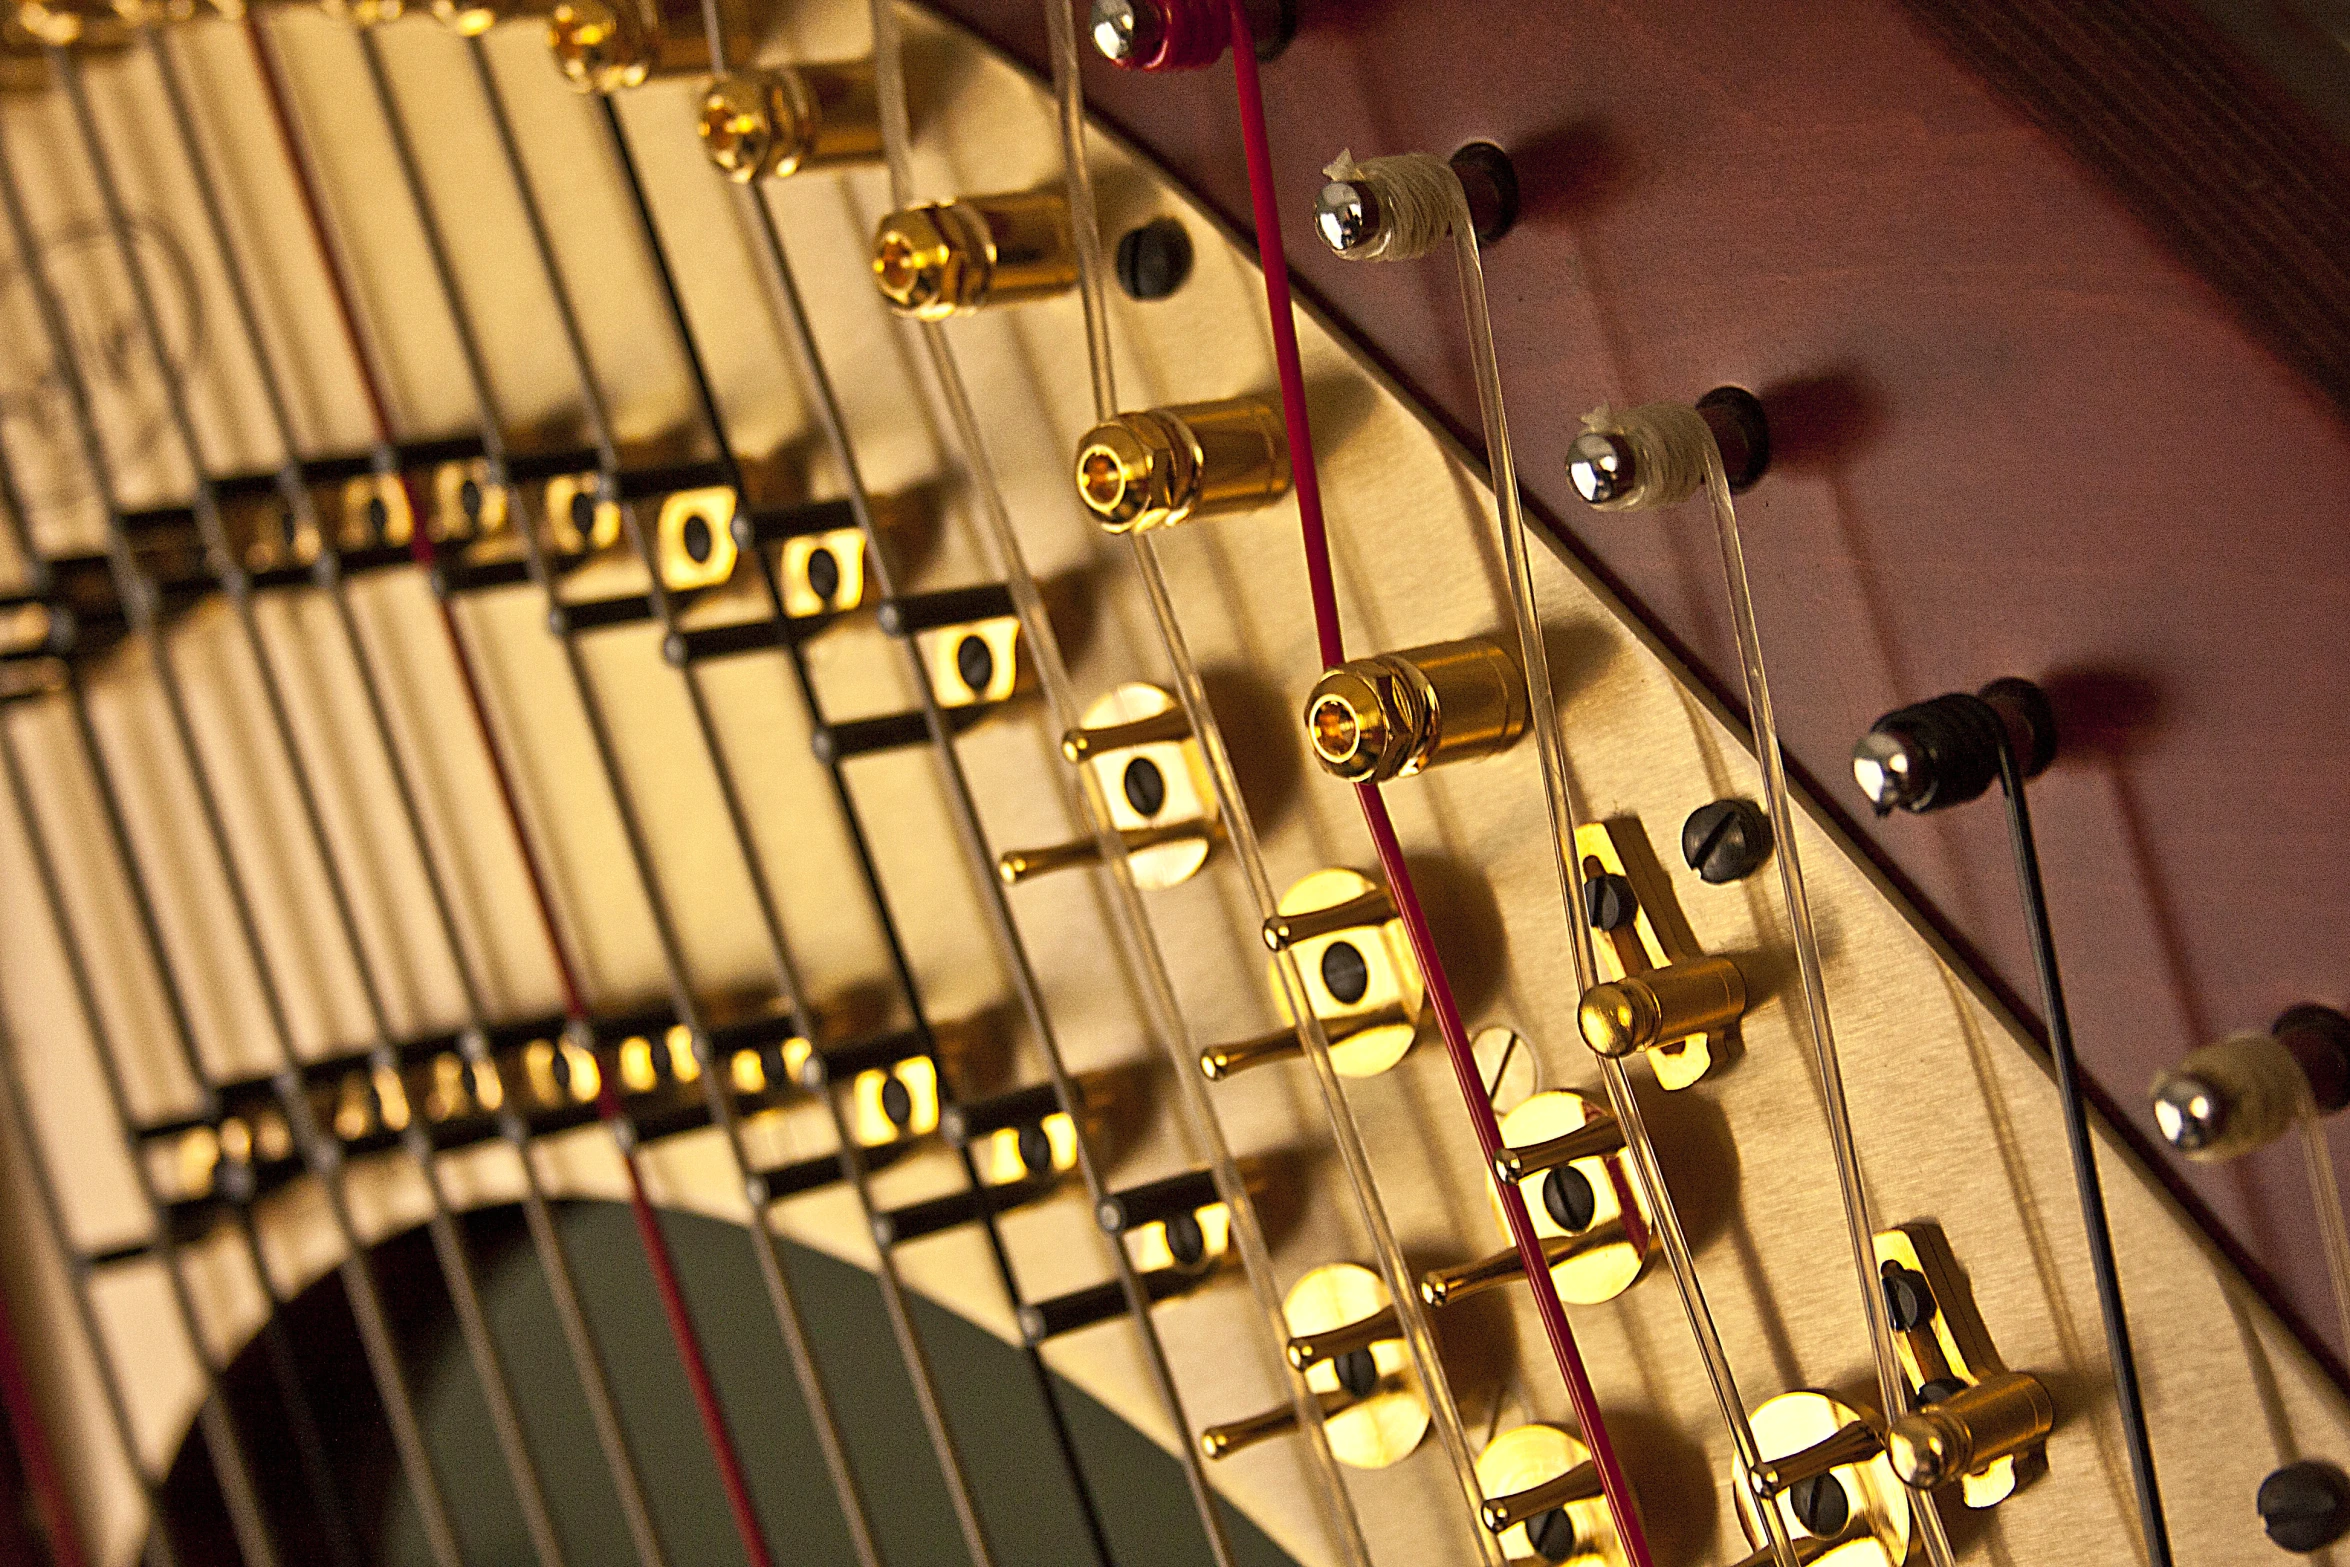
(1233, 810)
(320, 1153)
(416, 1140)
(2088, 1187)
(654, 1243)
(220, 1439)
(554, 1260)
(277, 1347)
(1559, 798)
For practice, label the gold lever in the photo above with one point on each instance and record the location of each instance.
(1080, 745)
(1597, 1138)
(1371, 907)
(1219, 1062)
(1225, 1440)
(1579, 1484)
(1309, 1350)
(1445, 1286)
(1018, 865)
(1662, 1006)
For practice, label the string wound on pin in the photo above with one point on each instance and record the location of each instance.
(1403, 207)
(1932, 755)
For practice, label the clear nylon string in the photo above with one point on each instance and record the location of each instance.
(2326, 1195)
(1860, 1226)
(1559, 798)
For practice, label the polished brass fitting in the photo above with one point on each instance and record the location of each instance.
(65, 24)
(1395, 714)
(773, 123)
(944, 258)
(1643, 1011)
(606, 45)
(2005, 1414)
(1158, 467)
(472, 18)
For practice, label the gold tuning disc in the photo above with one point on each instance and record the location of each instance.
(763, 123)
(1345, 1341)
(1825, 1471)
(947, 258)
(1359, 974)
(1155, 783)
(1566, 1154)
(1392, 715)
(1543, 1500)
(1157, 467)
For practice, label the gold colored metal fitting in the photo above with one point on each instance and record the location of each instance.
(66, 24)
(472, 18)
(772, 124)
(1450, 1286)
(580, 518)
(1158, 467)
(945, 258)
(1395, 714)
(1543, 1500)
(1373, 1411)
(375, 512)
(1852, 1495)
(1644, 1011)
(1998, 1417)
(1591, 1210)
(694, 538)
(606, 45)
(361, 13)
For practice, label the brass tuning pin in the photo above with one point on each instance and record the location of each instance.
(1359, 974)
(1544, 1501)
(1159, 467)
(604, 46)
(774, 122)
(1565, 1155)
(1659, 995)
(1373, 1410)
(1825, 1471)
(1395, 714)
(1977, 1423)
(2229, 1098)
(947, 258)
(1139, 745)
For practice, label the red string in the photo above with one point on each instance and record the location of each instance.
(420, 547)
(1328, 634)
(32, 1447)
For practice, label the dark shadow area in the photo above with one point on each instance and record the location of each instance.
(992, 1401)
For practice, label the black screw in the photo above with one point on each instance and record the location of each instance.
(823, 574)
(1568, 1198)
(1939, 1389)
(1145, 786)
(1821, 1505)
(1345, 972)
(1553, 1536)
(2305, 1506)
(1187, 1243)
(1358, 1373)
(1035, 1145)
(1609, 902)
(1909, 1299)
(1726, 840)
(897, 1102)
(975, 662)
(1155, 259)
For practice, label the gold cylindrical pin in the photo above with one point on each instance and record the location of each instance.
(772, 123)
(1978, 1425)
(1579, 1484)
(1018, 865)
(945, 258)
(606, 45)
(472, 18)
(1158, 467)
(66, 24)
(1079, 744)
(1642, 1011)
(1853, 1444)
(1395, 714)
(1284, 931)
(1219, 1062)
(1307, 1351)
(1225, 1440)
(1448, 1286)
(1596, 1138)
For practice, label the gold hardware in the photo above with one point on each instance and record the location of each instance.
(980, 662)
(1825, 1464)
(64, 24)
(773, 123)
(1395, 714)
(472, 18)
(606, 45)
(1014, 1153)
(356, 13)
(1662, 1006)
(824, 573)
(1450, 1286)
(1018, 865)
(1157, 467)
(1225, 1440)
(694, 538)
(1972, 1432)
(1595, 1220)
(1359, 975)
(945, 258)
(375, 512)
(1345, 1341)
(896, 1101)
(466, 505)
(1658, 937)
(1530, 1473)
(580, 519)
(1155, 785)
(25, 629)
(1988, 1441)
